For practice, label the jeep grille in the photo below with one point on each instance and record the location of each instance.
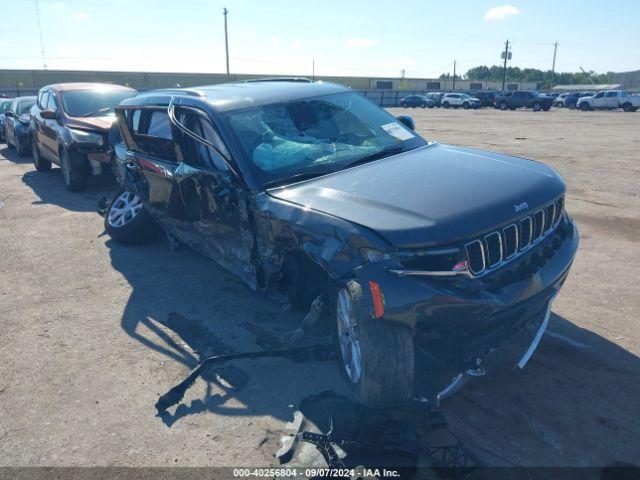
(500, 246)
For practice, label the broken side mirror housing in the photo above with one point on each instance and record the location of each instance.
(49, 115)
(407, 121)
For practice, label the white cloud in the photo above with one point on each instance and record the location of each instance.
(3, 44)
(296, 44)
(58, 5)
(357, 42)
(275, 42)
(81, 16)
(500, 13)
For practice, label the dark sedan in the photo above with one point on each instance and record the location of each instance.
(310, 191)
(417, 101)
(70, 125)
(5, 104)
(16, 124)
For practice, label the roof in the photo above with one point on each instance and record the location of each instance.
(587, 86)
(233, 96)
(64, 87)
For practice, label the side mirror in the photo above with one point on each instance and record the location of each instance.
(8, 113)
(407, 121)
(48, 114)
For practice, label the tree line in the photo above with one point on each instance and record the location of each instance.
(544, 79)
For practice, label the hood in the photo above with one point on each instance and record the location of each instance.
(101, 124)
(432, 195)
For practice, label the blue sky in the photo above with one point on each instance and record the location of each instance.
(354, 37)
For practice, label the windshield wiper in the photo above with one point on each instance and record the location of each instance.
(90, 114)
(385, 152)
(298, 177)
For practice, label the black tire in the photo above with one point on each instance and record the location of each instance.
(627, 107)
(403, 105)
(445, 105)
(503, 106)
(75, 177)
(41, 164)
(584, 106)
(386, 351)
(536, 107)
(465, 105)
(140, 228)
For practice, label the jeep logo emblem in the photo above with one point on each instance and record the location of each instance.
(520, 206)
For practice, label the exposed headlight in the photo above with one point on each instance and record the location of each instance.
(375, 255)
(80, 136)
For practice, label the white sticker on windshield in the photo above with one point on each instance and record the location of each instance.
(398, 131)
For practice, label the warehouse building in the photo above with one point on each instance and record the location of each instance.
(26, 82)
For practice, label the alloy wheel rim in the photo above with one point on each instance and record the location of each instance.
(124, 209)
(348, 338)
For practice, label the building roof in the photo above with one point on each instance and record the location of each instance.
(586, 86)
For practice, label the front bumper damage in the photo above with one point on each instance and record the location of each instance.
(459, 321)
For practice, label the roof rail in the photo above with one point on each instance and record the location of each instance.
(177, 91)
(277, 79)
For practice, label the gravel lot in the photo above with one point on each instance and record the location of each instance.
(91, 332)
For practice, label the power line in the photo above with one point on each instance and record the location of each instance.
(44, 61)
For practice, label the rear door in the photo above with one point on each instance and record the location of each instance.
(50, 131)
(611, 99)
(150, 152)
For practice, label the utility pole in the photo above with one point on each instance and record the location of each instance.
(313, 70)
(226, 37)
(553, 66)
(506, 55)
(588, 76)
(44, 61)
(453, 88)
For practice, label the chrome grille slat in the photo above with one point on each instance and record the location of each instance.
(501, 245)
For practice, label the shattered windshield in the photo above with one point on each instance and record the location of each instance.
(317, 135)
(93, 103)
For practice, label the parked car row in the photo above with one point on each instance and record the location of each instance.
(586, 100)
(310, 192)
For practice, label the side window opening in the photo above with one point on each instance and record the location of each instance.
(51, 102)
(151, 133)
(199, 154)
(42, 99)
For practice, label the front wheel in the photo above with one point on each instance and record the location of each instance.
(627, 107)
(584, 106)
(376, 356)
(465, 105)
(75, 176)
(127, 221)
(503, 105)
(445, 105)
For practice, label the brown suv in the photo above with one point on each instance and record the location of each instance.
(70, 124)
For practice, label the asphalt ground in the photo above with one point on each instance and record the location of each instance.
(92, 332)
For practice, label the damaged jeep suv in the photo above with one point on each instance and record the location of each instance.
(310, 190)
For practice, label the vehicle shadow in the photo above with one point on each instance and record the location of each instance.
(570, 406)
(185, 308)
(11, 154)
(49, 187)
